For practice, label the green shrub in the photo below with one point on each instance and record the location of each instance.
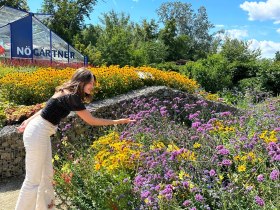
(211, 73)
(269, 76)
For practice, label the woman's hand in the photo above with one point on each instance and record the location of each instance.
(125, 121)
(22, 126)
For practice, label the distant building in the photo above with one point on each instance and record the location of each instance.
(24, 36)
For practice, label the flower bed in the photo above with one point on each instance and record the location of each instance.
(178, 155)
(29, 88)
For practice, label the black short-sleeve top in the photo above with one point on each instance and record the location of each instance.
(60, 107)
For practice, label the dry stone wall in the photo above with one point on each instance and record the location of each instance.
(12, 152)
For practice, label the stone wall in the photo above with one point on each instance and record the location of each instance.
(11, 145)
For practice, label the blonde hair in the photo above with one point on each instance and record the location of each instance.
(80, 78)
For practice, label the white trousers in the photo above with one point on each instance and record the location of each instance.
(37, 189)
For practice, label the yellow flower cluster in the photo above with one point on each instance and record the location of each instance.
(33, 87)
(245, 159)
(209, 96)
(220, 127)
(185, 154)
(39, 85)
(269, 136)
(171, 79)
(113, 153)
(249, 157)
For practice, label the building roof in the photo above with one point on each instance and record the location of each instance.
(9, 15)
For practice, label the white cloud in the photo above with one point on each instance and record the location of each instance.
(220, 26)
(236, 33)
(268, 48)
(268, 10)
(278, 30)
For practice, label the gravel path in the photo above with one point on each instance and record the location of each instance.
(9, 190)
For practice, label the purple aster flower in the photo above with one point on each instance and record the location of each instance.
(168, 196)
(259, 200)
(186, 203)
(198, 197)
(249, 188)
(223, 151)
(219, 147)
(260, 178)
(145, 194)
(157, 188)
(225, 114)
(191, 116)
(186, 184)
(125, 180)
(226, 162)
(212, 172)
(163, 111)
(196, 124)
(274, 175)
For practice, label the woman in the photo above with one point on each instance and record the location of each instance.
(37, 191)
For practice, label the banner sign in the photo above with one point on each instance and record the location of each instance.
(21, 38)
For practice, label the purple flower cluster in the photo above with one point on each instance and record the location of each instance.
(274, 151)
(260, 178)
(274, 175)
(259, 200)
(159, 175)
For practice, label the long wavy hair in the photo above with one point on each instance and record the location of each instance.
(80, 78)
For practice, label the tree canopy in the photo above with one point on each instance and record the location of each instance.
(17, 4)
(69, 16)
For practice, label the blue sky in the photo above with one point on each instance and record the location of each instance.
(254, 21)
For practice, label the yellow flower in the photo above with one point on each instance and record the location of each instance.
(113, 153)
(236, 158)
(196, 145)
(181, 174)
(244, 158)
(172, 147)
(241, 168)
(191, 185)
(56, 157)
(157, 145)
(66, 168)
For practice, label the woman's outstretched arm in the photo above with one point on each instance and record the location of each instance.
(88, 118)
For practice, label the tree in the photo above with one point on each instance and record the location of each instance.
(242, 60)
(180, 12)
(115, 41)
(211, 73)
(146, 31)
(238, 50)
(68, 16)
(168, 35)
(200, 34)
(17, 4)
(178, 46)
(148, 52)
(194, 26)
(277, 56)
